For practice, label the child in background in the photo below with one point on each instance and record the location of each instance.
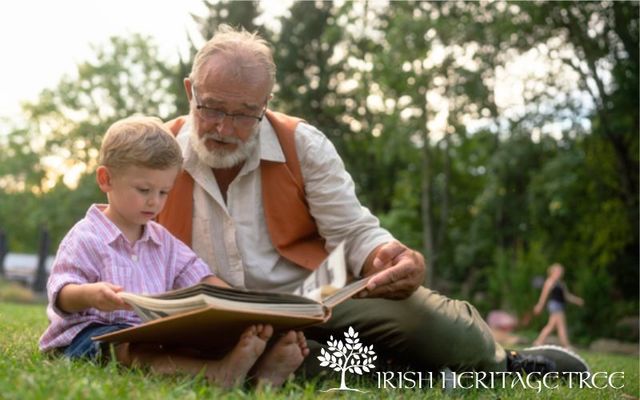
(117, 247)
(555, 294)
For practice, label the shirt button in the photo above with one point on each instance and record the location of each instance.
(134, 257)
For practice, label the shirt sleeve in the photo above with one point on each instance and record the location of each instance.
(71, 265)
(332, 199)
(190, 269)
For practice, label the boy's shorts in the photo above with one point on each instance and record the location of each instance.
(82, 346)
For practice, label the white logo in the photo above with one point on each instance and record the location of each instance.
(351, 357)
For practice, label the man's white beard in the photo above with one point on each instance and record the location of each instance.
(220, 157)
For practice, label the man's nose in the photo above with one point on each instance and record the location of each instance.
(225, 126)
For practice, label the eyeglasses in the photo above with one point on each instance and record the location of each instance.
(240, 121)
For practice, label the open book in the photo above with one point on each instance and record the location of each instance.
(211, 317)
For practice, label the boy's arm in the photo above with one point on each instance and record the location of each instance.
(215, 281)
(100, 295)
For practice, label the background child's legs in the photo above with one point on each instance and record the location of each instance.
(562, 330)
(548, 328)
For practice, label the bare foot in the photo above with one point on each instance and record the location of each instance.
(278, 362)
(233, 368)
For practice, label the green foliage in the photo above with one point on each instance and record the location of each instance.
(237, 14)
(403, 219)
(514, 272)
(491, 193)
(124, 77)
(63, 132)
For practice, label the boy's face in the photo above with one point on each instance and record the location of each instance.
(136, 194)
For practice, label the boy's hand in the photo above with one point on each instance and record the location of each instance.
(100, 295)
(103, 296)
(215, 281)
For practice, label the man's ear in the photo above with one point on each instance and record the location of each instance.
(103, 177)
(187, 88)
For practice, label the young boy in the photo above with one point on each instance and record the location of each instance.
(117, 247)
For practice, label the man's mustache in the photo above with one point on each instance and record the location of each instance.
(220, 138)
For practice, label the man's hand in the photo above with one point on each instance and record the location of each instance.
(402, 271)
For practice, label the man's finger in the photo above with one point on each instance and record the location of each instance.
(396, 290)
(386, 277)
(387, 253)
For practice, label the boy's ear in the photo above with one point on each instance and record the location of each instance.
(103, 177)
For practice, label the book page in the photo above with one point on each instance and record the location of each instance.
(150, 308)
(346, 292)
(146, 314)
(329, 276)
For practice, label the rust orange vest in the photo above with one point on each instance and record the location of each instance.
(291, 227)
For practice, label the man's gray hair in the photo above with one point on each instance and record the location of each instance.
(247, 49)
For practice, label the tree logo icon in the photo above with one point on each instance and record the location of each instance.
(350, 356)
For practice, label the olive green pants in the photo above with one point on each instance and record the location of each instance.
(426, 331)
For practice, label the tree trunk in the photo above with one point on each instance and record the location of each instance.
(40, 281)
(343, 385)
(3, 251)
(427, 223)
(444, 205)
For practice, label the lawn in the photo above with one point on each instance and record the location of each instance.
(26, 374)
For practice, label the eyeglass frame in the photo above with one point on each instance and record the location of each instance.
(224, 114)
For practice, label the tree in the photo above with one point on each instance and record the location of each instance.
(489, 187)
(421, 72)
(351, 356)
(46, 166)
(604, 40)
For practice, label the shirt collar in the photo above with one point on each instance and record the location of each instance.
(270, 149)
(96, 215)
(150, 233)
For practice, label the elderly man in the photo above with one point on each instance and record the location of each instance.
(264, 196)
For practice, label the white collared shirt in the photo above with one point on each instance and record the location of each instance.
(233, 238)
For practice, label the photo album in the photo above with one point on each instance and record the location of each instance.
(209, 317)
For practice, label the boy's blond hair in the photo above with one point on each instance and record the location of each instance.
(141, 142)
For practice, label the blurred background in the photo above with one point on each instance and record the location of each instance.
(494, 137)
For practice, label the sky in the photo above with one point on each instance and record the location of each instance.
(40, 40)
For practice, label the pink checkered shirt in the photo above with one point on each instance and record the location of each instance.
(95, 250)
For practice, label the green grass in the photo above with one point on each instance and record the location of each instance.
(25, 373)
